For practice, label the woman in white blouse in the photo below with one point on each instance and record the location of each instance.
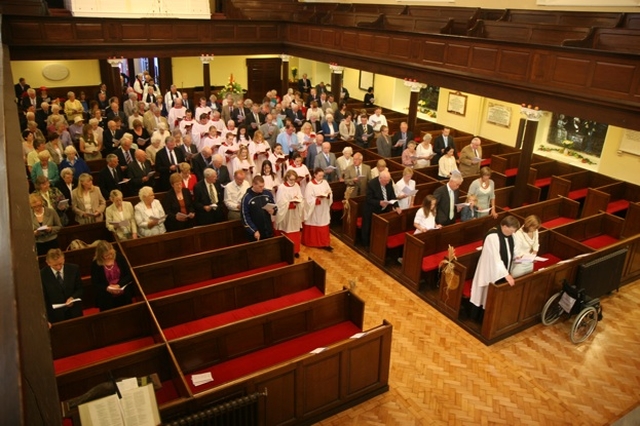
(426, 217)
(405, 200)
(526, 246)
(447, 164)
(149, 214)
(424, 152)
(121, 217)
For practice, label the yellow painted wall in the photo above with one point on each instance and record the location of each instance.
(620, 166)
(81, 73)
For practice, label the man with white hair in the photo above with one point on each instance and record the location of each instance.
(270, 130)
(163, 133)
(152, 118)
(131, 105)
(218, 123)
(231, 128)
(326, 160)
(380, 198)
(171, 96)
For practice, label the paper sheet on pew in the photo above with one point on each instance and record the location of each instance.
(358, 335)
(530, 259)
(318, 350)
(62, 305)
(408, 191)
(201, 379)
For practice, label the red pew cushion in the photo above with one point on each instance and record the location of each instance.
(541, 183)
(85, 358)
(556, 222)
(617, 206)
(337, 206)
(397, 240)
(553, 259)
(511, 172)
(166, 393)
(600, 241)
(359, 222)
(485, 162)
(578, 194)
(200, 284)
(466, 289)
(223, 318)
(267, 357)
(431, 262)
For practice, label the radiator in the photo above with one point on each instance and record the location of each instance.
(238, 412)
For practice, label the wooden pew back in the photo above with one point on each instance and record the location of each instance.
(387, 224)
(549, 209)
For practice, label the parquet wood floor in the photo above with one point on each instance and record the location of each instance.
(440, 375)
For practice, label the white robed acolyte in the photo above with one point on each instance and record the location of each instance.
(289, 220)
(491, 267)
(317, 214)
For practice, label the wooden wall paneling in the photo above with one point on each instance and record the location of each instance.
(280, 406)
(320, 390)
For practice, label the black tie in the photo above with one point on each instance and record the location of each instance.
(59, 278)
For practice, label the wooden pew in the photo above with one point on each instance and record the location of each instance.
(540, 173)
(552, 213)
(87, 233)
(174, 275)
(608, 39)
(350, 370)
(504, 197)
(86, 340)
(464, 17)
(213, 306)
(574, 185)
(546, 34)
(598, 231)
(422, 253)
(234, 350)
(563, 17)
(338, 188)
(180, 243)
(509, 310)
(614, 198)
(388, 231)
(417, 24)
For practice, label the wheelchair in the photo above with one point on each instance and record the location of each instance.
(571, 301)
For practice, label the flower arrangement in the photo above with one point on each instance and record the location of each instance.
(447, 269)
(294, 73)
(232, 87)
(575, 154)
(567, 144)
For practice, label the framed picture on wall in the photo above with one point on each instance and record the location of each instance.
(366, 80)
(457, 103)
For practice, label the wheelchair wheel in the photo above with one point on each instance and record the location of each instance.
(584, 324)
(552, 309)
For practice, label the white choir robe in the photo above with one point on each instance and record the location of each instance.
(258, 153)
(317, 216)
(246, 165)
(213, 143)
(302, 172)
(174, 115)
(289, 221)
(271, 183)
(183, 128)
(219, 124)
(279, 168)
(198, 132)
(228, 153)
(489, 270)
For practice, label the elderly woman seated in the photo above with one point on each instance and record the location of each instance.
(87, 202)
(121, 217)
(75, 163)
(149, 214)
(45, 167)
(345, 161)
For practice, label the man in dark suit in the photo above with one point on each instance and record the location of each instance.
(400, 140)
(254, 120)
(239, 114)
(380, 198)
(440, 143)
(61, 284)
(208, 197)
(357, 175)
(223, 173)
(364, 132)
(125, 153)
(138, 173)
(167, 161)
(447, 196)
(201, 161)
(296, 116)
(304, 84)
(20, 88)
(110, 176)
(115, 112)
(111, 138)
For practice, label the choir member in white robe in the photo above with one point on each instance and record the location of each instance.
(296, 163)
(228, 151)
(243, 161)
(272, 180)
(526, 246)
(259, 149)
(279, 161)
(318, 198)
(404, 200)
(212, 139)
(290, 210)
(495, 260)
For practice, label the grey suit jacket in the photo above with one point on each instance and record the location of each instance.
(360, 183)
(321, 161)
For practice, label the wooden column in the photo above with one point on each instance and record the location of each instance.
(166, 73)
(413, 102)
(114, 88)
(206, 74)
(284, 87)
(106, 77)
(29, 392)
(527, 132)
(152, 69)
(336, 81)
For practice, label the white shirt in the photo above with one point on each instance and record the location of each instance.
(233, 194)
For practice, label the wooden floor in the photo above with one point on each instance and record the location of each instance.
(440, 375)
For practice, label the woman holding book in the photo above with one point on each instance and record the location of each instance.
(318, 198)
(425, 219)
(484, 189)
(178, 205)
(526, 246)
(121, 217)
(111, 276)
(404, 189)
(149, 214)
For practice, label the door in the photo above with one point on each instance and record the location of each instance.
(263, 75)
